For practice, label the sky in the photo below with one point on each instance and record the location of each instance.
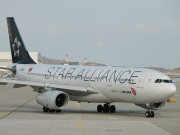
(132, 33)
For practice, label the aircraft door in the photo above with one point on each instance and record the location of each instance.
(141, 81)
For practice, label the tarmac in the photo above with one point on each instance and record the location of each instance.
(21, 115)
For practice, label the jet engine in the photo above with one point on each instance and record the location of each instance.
(56, 100)
(153, 106)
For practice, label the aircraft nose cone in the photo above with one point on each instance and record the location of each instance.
(168, 91)
(172, 90)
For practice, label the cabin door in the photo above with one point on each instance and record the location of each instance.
(141, 81)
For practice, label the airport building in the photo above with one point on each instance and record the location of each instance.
(5, 58)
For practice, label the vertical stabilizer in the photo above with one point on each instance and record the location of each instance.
(18, 50)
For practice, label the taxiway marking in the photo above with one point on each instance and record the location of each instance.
(13, 110)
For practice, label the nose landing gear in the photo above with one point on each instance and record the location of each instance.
(149, 114)
(106, 108)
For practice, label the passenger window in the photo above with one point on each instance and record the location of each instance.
(160, 80)
(157, 80)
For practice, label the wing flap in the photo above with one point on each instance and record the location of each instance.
(10, 69)
(16, 81)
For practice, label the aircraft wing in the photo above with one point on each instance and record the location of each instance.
(69, 89)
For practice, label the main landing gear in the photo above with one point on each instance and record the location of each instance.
(106, 108)
(45, 109)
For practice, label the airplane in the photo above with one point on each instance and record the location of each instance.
(58, 84)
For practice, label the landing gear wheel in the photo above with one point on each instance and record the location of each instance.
(51, 110)
(152, 114)
(112, 109)
(99, 108)
(58, 111)
(45, 109)
(149, 114)
(106, 108)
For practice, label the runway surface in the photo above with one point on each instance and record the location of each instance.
(21, 115)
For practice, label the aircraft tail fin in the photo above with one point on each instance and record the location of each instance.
(19, 52)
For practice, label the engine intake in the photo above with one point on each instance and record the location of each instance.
(56, 100)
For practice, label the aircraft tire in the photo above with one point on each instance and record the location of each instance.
(147, 114)
(112, 109)
(106, 108)
(45, 109)
(58, 111)
(152, 114)
(51, 111)
(99, 108)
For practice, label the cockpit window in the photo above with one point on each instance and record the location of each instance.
(163, 80)
(170, 81)
(157, 81)
(166, 81)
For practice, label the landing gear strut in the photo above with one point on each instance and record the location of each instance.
(106, 108)
(45, 109)
(150, 113)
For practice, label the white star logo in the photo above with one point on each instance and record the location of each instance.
(16, 46)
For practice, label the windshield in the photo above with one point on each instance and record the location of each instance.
(163, 80)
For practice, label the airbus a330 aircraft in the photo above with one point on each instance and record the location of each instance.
(58, 84)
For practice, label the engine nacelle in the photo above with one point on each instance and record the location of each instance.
(153, 106)
(56, 100)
